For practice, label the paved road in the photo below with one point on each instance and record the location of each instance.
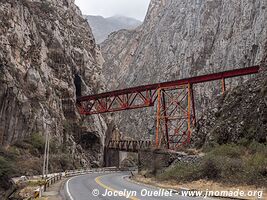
(83, 187)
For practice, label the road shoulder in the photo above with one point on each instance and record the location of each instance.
(56, 191)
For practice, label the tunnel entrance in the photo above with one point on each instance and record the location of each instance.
(92, 146)
(90, 141)
(78, 85)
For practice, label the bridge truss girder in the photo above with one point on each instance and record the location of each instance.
(118, 102)
(175, 105)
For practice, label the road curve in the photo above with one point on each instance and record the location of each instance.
(114, 186)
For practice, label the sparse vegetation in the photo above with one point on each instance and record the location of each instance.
(227, 163)
(37, 141)
(65, 162)
(36, 144)
(6, 166)
(36, 183)
(46, 6)
(25, 158)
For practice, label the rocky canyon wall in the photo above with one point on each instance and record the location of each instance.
(183, 38)
(44, 45)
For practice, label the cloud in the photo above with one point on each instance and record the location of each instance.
(130, 8)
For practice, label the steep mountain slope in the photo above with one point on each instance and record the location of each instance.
(181, 38)
(102, 27)
(238, 116)
(44, 46)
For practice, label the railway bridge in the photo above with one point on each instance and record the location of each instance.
(174, 102)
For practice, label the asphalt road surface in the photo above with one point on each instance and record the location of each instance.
(114, 186)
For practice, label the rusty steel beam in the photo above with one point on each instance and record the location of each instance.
(223, 85)
(192, 80)
(193, 105)
(189, 112)
(166, 120)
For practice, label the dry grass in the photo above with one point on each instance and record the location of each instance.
(200, 185)
(27, 192)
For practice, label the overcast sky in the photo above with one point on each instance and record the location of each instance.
(106, 8)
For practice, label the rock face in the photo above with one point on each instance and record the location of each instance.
(102, 27)
(239, 115)
(182, 38)
(44, 46)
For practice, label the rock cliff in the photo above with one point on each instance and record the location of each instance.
(47, 47)
(182, 38)
(239, 116)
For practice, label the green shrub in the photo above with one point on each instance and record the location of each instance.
(182, 172)
(228, 150)
(210, 168)
(244, 142)
(65, 162)
(256, 147)
(8, 154)
(6, 166)
(228, 163)
(22, 145)
(14, 151)
(53, 146)
(37, 142)
(256, 169)
(36, 183)
(7, 170)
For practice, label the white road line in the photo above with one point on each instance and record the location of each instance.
(67, 185)
(67, 189)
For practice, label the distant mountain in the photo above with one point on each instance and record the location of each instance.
(102, 27)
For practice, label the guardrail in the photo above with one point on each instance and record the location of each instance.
(53, 178)
(94, 170)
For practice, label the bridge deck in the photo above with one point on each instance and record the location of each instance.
(130, 145)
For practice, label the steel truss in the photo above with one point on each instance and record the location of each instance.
(175, 105)
(129, 145)
(175, 116)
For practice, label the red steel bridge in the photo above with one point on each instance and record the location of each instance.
(175, 107)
